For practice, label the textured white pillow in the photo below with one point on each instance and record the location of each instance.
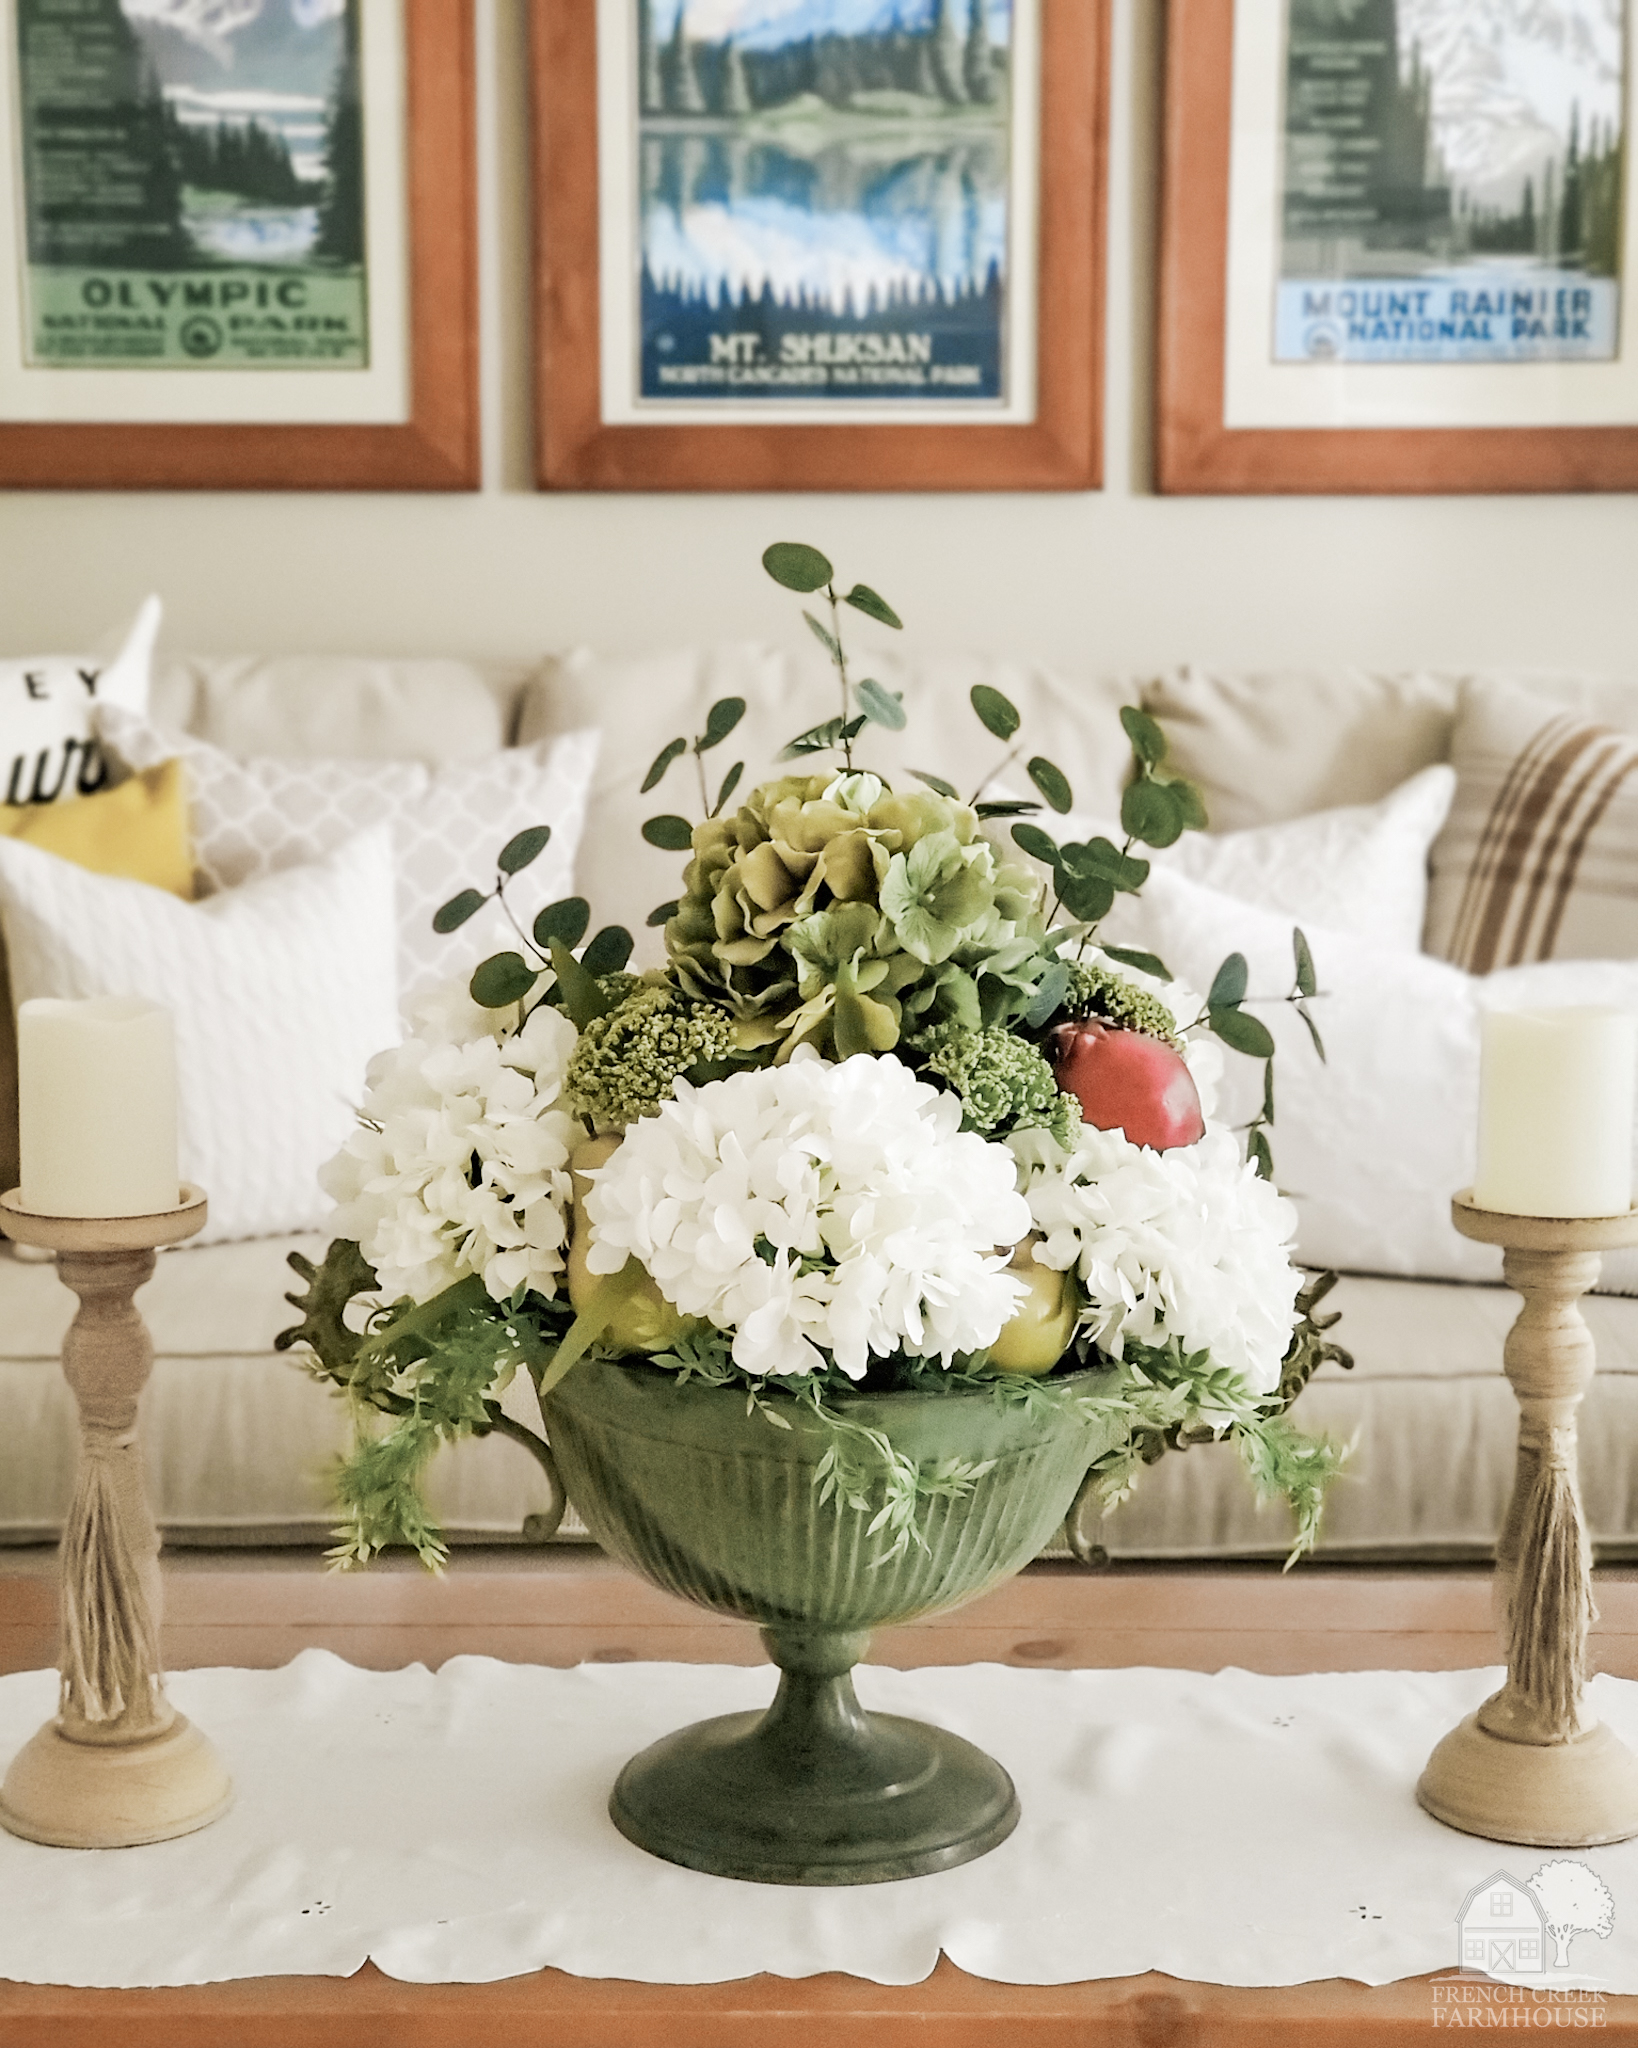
(1361, 869)
(256, 817)
(281, 991)
(1372, 1144)
(48, 705)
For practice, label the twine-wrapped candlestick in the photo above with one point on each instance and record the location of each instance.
(1532, 1765)
(118, 1765)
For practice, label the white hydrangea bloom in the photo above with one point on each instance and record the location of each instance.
(461, 1162)
(1187, 1244)
(815, 1205)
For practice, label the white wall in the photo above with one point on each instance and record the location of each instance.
(1118, 579)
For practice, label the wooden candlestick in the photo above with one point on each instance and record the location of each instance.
(1532, 1765)
(118, 1766)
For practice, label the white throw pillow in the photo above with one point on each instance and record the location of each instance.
(1361, 869)
(256, 817)
(48, 704)
(281, 991)
(1371, 1144)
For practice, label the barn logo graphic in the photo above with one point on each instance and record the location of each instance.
(1525, 1932)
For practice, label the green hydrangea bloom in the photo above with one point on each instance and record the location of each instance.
(628, 1062)
(1098, 991)
(1004, 1083)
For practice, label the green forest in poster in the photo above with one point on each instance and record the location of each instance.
(193, 184)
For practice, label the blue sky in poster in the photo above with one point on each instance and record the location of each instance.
(766, 24)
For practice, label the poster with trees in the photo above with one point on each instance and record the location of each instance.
(192, 183)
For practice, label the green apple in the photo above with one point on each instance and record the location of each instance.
(639, 1316)
(1038, 1334)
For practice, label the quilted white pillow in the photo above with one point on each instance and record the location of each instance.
(282, 991)
(256, 817)
(1362, 868)
(48, 705)
(1372, 1144)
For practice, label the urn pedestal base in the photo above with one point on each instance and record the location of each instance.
(815, 1791)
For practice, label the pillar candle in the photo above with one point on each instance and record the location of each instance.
(96, 1099)
(1555, 1112)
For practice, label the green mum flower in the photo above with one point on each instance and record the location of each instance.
(1004, 1083)
(628, 1062)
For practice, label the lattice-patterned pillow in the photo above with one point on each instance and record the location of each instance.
(257, 817)
(1539, 857)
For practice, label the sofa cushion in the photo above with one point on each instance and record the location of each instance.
(418, 709)
(48, 751)
(1539, 858)
(642, 701)
(1266, 745)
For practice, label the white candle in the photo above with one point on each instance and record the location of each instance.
(1555, 1112)
(96, 1102)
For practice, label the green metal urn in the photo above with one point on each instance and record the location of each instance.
(717, 1504)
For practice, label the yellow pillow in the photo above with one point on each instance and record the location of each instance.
(138, 831)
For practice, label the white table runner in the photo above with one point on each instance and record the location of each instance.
(1234, 1829)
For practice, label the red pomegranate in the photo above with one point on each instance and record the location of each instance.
(1128, 1081)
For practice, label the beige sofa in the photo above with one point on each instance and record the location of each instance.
(237, 1438)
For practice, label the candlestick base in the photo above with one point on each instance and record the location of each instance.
(1561, 1795)
(84, 1795)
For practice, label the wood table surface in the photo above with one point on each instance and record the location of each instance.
(948, 2010)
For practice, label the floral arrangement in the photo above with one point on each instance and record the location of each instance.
(889, 1116)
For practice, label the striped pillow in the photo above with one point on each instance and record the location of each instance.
(1539, 858)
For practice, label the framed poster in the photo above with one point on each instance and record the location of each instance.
(237, 244)
(819, 244)
(1399, 250)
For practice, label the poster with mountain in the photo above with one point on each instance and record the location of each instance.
(1452, 181)
(825, 200)
(191, 176)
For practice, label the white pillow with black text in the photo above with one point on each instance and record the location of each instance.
(1361, 869)
(49, 752)
(1372, 1143)
(281, 991)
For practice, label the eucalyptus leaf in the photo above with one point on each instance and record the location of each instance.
(1229, 984)
(864, 599)
(1244, 1032)
(1053, 784)
(662, 761)
(1257, 1151)
(582, 998)
(854, 727)
(450, 916)
(1151, 813)
(1005, 807)
(937, 782)
(881, 705)
(720, 721)
(669, 832)
(1148, 741)
(1145, 963)
(1049, 995)
(827, 639)
(997, 714)
(1191, 803)
(609, 951)
(522, 848)
(1307, 980)
(566, 921)
(1268, 1092)
(1313, 1029)
(816, 740)
(797, 566)
(730, 782)
(662, 913)
(1103, 857)
(1037, 844)
(1086, 897)
(503, 979)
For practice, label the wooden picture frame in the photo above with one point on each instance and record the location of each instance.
(436, 447)
(1195, 451)
(1060, 448)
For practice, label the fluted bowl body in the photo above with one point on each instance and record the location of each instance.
(715, 1503)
